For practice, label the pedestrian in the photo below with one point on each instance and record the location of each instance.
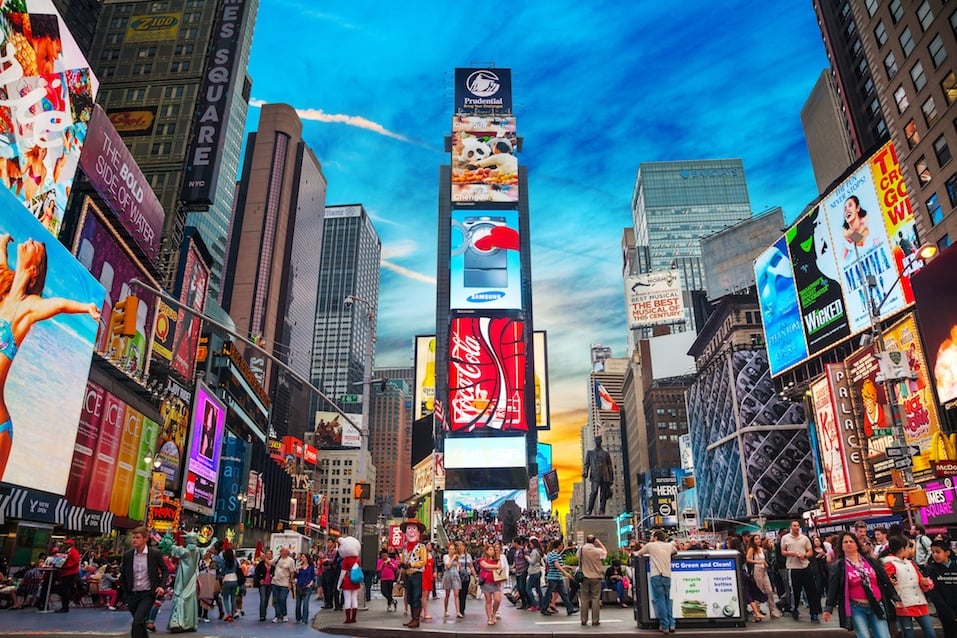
(282, 579)
(860, 585)
(305, 585)
(519, 556)
(229, 581)
(590, 557)
(659, 552)
(922, 550)
(330, 575)
(490, 581)
(68, 575)
(797, 550)
(388, 570)
(144, 574)
(414, 560)
(262, 580)
(555, 570)
(451, 581)
(757, 558)
(910, 584)
(533, 586)
(943, 571)
(467, 575)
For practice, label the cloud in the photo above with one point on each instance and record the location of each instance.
(407, 272)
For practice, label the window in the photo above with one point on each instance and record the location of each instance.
(922, 168)
(118, 23)
(868, 88)
(936, 50)
(934, 210)
(173, 91)
(158, 180)
(142, 69)
(183, 49)
(108, 72)
(114, 38)
(951, 185)
(166, 129)
(188, 34)
(929, 108)
(943, 243)
(156, 7)
(871, 7)
(906, 40)
(949, 86)
(924, 15)
(161, 148)
(857, 47)
(953, 21)
(110, 54)
(942, 151)
(135, 95)
(146, 52)
(874, 108)
(862, 69)
(890, 65)
(900, 96)
(897, 11)
(179, 67)
(880, 130)
(192, 16)
(170, 110)
(917, 75)
(880, 34)
(910, 131)
(849, 31)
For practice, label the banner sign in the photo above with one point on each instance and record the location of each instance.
(654, 299)
(483, 91)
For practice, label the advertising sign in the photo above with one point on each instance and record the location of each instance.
(85, 445)
(465, 501)
(780, 312)
(232, 480)
(104, 459)
(115, 175)
(829, 439)
(872, 408)
(212, 105)
(143, 474)
(704, 587)
(499, 451)
(205, 446)
(851, 441)
(332, 431)
(485, 268)
(823, 316)
(934, 288)
(940, 503)
(164, 330)
(171, 440)
(483, 91)
(424, 390)
(192, 293)
(49, 91)
(664, 496)
(133, 122)
(543, 457)
(487, 374)
(46, 341)
(103, 255)
(654, 299)
(126, 461)
(540, 378)
(484, 160)
(153, 27)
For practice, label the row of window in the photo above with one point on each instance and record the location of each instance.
(159, 7)
(936, 50)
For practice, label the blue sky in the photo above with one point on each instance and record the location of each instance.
(598, 88)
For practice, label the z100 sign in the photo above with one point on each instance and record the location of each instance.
(487, 369)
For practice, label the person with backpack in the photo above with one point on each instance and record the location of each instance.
(922, 541)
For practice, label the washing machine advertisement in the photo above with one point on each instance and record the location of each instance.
(485, 265)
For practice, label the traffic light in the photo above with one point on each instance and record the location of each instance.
(362, 491)
(122, 324)
(895, 500)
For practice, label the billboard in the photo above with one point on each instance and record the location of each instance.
(483, 91)
(115, 175)
(133, 122)
(153, 27)
(332, 431)
(829, 438)
(484, 159)
(49, 91)
(105, 256)
(873, 409)
(540, 379)
(48, 323)
(496, 451)
(192, 293)
(543, 457)
(220, 79)
(465, 501)
(424, 388)
(898, 217)
(654, 299)
(780, 312)
(232, 480)
(205, 446)
(934, 288)
(171, 440)
(487, 373)
(85, 445)
(485, 270)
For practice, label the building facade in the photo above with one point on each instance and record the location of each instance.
(390, 438)
(826, 132)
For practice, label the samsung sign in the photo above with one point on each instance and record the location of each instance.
(212, 106)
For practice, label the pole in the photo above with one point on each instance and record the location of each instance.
(366, 399)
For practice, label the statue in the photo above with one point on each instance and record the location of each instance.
(600, 470)
(185, 612)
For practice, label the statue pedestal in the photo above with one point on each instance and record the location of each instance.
(603, 527)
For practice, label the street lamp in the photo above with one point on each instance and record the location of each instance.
(348, 302)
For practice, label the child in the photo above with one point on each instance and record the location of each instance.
(943, 571)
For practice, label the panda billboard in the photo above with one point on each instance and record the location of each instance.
(484, 160)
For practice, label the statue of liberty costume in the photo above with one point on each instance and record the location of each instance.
(184, 616)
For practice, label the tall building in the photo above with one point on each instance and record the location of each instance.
(81, 16)
(343, 334)
(673, 206)
(390, 439)
(911, 49)
(826, 132)
(728, 255)
(154, 61)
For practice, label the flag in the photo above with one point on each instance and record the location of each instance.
(603, 399)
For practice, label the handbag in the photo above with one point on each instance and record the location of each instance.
(473, 589)
(356, 575)
(579, 576)
(499, 575)
(398, 589)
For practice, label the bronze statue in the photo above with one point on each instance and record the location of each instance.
(600, 470)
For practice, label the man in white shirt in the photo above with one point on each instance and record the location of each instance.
(281, 580)
(660, 551)
(590, 556)
(797, 550)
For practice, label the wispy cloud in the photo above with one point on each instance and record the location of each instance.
(407, 272)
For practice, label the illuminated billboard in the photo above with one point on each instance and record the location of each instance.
(465, 501)
(332, 431)
(424, 387)
(484, 159)
(934, 288)
(42, 131)
(486, 374)
(872, 409)
(133, 122)
(829, 439)
(781, 315)
(483, 91)
(171, 441)
(192, 293)
(48, 324)
(540, 379)
(153, 27)
(543, 457)
(205, 447)
(485, 267)
(496, 451)
(654, 299)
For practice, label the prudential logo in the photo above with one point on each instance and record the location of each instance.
(486, 296)
(483, 83)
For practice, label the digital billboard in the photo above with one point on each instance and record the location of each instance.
(486, 374)
(483, 91)
(485, 270)
(654, 299)
(465, 501)
(109, 260)
(780, 313)
(332, 431)
(192, 293)
(872, 408)
(85, 444)
(49, 91)
(133, 122)
(171, 441)
(424, 388)
(232, 480)
(115, 175)
(484, 160)
(543, 457)
(934, 288)
(205, 447)
(496, 451)
(829, 438)
(48, 323)
(540, 379)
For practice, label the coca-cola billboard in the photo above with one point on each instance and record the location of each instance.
(487, 371)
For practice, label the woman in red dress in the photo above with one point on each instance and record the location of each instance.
(428, 578)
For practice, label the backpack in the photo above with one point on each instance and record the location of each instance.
(356, 575)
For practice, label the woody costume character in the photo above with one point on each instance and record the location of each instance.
(415, 555)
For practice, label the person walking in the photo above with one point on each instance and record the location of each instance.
(943, 571)
(923, 552)
(533, 585)
(590, 557)
(659, 552)
(388, 570)
(305, 585)
(555, 570)
(262, 581)
(467, 575)
(490, 565)
(859, 584)
(797, 550)
(451, 581)
(232, 575)
(757, 558)
(283, 574)
(910, 584)
(144, 574)
(68, 575)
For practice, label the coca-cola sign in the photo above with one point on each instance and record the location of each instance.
(487, 370)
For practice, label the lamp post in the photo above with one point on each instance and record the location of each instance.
(348, 302)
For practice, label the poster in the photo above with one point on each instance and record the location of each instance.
(704, 588)
(780, 312)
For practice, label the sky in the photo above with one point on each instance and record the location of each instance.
(598, 88)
